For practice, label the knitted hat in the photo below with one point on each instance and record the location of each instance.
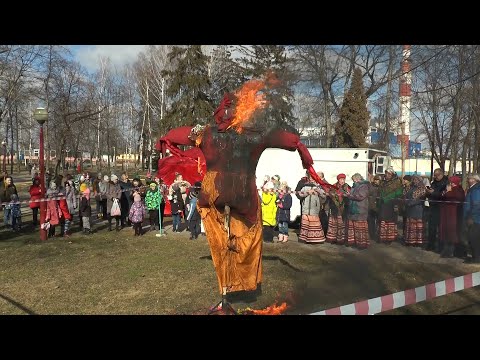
(455, 180)
(341, 176)
(113, 177)
(106, 178)
(137, 198)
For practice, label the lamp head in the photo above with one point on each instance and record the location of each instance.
(40, 115)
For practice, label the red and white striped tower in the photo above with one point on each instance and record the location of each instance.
(405, 94)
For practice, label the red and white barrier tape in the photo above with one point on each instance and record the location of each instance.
(64, 197)
(407, 297)
(269, 190)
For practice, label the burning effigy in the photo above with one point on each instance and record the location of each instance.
(228, 152)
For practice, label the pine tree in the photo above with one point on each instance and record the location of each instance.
(225, 74)
(352, 128)
(260, 60)
(188, 86)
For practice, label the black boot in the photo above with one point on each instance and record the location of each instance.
(109, 222)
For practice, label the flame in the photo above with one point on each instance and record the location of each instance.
(248, 101)
(271, 310)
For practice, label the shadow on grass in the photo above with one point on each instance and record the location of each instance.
(265, 257)
(18, 305)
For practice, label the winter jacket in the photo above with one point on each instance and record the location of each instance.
(193, 211)
(53, 212)
(63, 205)
(113, 192)
(312, 202)
(7, 192)
(35, 194)
(137, 212)
(373, 197)
(96, 188)
(125, 201)
(85, 208)
(71, 199)
(153, 199)
(269, 209)
(413, 207)
(358, 205)
(471, 209)
(103, 187)
(284, 203)
(177, 203)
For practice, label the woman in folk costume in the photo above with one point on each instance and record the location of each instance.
(229, 203)
(414, 199)
(338, 203)
(269, 211)
(357, 232)
(390, 192)
(450, 215)
(284, 204)
(311, 230)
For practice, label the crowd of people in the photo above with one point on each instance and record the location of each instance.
(129, 202)
(436, 215)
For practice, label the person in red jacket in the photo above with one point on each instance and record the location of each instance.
(35, 194)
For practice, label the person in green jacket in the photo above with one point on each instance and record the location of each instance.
(152, 202)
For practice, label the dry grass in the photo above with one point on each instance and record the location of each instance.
(116, 273)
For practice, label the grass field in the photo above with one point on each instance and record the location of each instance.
(117, 273)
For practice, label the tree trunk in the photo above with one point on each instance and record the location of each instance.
(17, 146)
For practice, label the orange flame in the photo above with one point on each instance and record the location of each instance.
(272, 310)
(248, 101)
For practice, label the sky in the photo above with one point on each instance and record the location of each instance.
(89, 55)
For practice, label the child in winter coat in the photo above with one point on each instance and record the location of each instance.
(177, 206)
(35, 194)
(15, 212)
(152, 200)
(85, 210)
(137, 214)
(193, 216)
(53, 210)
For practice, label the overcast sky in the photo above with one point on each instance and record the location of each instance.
(88, 55)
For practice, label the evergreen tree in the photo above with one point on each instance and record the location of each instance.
(188, 86)
(260, 60)
(225, 74)
(352, 128)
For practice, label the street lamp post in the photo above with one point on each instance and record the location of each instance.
(4, 145)
(41, 115)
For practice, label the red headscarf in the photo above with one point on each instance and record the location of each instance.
(455, 180)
